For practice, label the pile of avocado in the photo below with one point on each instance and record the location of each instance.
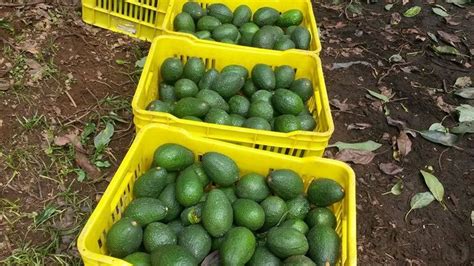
(185, 210)
(266, 29)
(268, 100)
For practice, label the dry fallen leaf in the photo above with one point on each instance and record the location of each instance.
(36, 71)
(29, 46)
(4, 84)
(450, 21)
(377, 106)
(84, 163)
(61, 140)
(410, 69)
(386, 92)
(395, 19)
(462, 82)
(328, 154)
(420, 38)
(390, 168)
(355, 156)
(386, 136)
(72, 137)
(338, 25)
(401, 125)
(358, 126)
(449, 38)
(411, 31)
(447, 108)
(342, 106)
(404, 144)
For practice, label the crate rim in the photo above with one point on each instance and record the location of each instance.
(115, 183)
(168, 23)
(138, 112)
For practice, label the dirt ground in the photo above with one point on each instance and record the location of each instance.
(59, 76)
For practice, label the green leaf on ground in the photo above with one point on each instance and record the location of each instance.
(364, 146)
(89, 128)
(379, 96)
(396, 189)
(413, 11)
(102, 164)
(396, 58)
(446, 139)
(437, 127)
(446, 49)
(432, 36)
(355, 8)
(81, 175)
(458, 3)
(6, 25)
(420, 200)
(121, 62)
(466, 112)
(440, 12)
(103, 138)
(467, 93)
(140, 63)
(45, 215)
(434, 185)
(388, 7)
(463, 128)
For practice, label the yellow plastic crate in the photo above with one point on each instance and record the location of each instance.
(91, 242)
(298, 143)
(141, 19)
(281, 5)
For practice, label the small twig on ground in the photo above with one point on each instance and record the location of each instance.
(451, 68)
(92, 94)
(9, 43)
(110, 153)
(445, 88)
(40, 192)
(398, 100)
(439, 158)
(470, 152)
(70, 98)
(348, 112)
(97, 180)
(390, 70)
(127, 132)
(103, 83)
(86, 109)
(373, 53)
(121, 84)
(79, 118)
(345, 11)
(73, 34)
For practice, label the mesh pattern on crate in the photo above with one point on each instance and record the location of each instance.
(143, 10)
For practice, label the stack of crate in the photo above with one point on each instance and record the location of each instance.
(152, 20)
